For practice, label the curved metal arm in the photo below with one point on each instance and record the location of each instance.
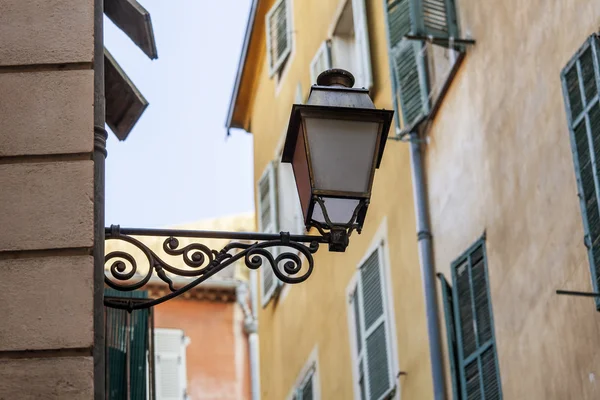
(202, 261)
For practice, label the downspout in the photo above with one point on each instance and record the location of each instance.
(251, 329)
(424, 240)
(99, 157)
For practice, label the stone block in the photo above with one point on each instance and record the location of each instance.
(46, 205)
(47, 303)
(47, 112)
(47, 378)
(46, 31)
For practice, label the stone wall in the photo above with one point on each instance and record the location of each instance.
(46, 199)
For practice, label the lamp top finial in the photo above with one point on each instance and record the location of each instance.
(336, 77)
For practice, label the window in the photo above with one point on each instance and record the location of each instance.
(307, 386)
(279, 35)
(369, 319)
(268, 223)
(170, 364)
(349, 44)
(128, 351)
(419, 71)
(470, 328)
(305, 391)
(321, 61)
(580, 80)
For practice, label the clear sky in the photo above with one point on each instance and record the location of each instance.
(177, 165)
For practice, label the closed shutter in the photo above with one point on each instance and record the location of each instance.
(371, 325)
(279, 38)
(127, 343)
(580, 88)
(407, 63)
(268, 223)
(320, 62)
(450, 336)
(479, 372)
(170, 364)
(435, 18)
(364, 76)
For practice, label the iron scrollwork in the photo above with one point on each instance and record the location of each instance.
(122, 271)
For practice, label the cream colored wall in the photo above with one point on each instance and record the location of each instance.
(315, 312)
(498, 160)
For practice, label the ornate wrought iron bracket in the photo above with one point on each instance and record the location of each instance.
(122, 271)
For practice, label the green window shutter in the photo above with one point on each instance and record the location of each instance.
(478, 364)
(279, 38)
(410, 86)
(434, 18)
(580, 81)
(268, 223)
(450, 335)
(127, 342)
(375, 348)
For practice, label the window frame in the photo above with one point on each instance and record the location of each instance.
(269, 174)
(276, 66)
(490, 343)
(378, 244)
(591, 42)
(310, 370)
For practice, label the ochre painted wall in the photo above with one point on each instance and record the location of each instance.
(314, 313)
(217, 355)
(499, 160)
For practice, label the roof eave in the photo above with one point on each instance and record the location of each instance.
(241, 65)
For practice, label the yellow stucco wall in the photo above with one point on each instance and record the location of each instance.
(314, 313)
(499, 160)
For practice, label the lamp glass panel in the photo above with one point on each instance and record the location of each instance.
(341, 153)
(339, 210)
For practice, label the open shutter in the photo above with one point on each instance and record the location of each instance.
(279, 38)
(407, 64)
(450, 335)
(411, 77)
(479, 370)
(364, 76)
(375, 329)
(435, 18)
(170, 364)
(268, 223)
(580, 80)
(320, 62)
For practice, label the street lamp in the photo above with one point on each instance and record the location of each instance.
(334, 143)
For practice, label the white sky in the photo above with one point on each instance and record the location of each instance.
(177, 166)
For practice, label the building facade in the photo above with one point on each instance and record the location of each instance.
(497, 121)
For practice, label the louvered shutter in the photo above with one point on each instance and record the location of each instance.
(373, 347)
(364, 76)
(127, 348)
(410, 83)
(450, 336)
(320, 62)
(580, 88)
(268, 223)
(170, 367)
(279, 38)
(435, 18)
(479, 372)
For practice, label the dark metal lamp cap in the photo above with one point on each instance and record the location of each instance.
(336, 77)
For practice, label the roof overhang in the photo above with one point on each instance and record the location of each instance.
(235, 116)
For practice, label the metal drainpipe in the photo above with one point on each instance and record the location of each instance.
(251, 329)
(99, 157)
(424, 240)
